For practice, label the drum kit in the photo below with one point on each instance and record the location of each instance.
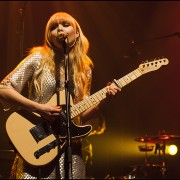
(151, 170)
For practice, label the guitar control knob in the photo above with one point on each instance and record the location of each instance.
(37, 155)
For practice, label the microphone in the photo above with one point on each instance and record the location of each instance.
(62, 36)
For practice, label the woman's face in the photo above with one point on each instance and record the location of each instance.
(63, 28)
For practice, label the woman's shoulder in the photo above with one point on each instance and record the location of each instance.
(32, 60)
(36, 52)
(35, 55)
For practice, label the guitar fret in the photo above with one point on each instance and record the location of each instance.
(93, 100)
(83, 106)
(80, 107)
(72, 114)
(127, 79)
(137, 72)
(116, 83)
(122, 82)
(132, 76)
(99, 98)
(102, 93)
(89, 102)
(75, 111)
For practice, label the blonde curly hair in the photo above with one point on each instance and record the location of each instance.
(78, 58)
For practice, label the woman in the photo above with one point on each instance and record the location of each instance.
(42, 72)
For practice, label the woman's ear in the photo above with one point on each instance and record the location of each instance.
(77, 33)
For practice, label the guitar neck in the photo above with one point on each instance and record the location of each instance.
(101, 94)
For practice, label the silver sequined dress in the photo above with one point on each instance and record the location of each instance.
(18, 79)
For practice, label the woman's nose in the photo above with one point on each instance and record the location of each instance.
(60, 27)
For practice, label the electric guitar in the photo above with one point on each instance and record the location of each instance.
(38, 140)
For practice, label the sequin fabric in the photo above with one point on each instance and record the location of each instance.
(21, 171)
(18, 79)
(23, 73)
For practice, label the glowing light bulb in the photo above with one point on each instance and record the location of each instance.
(172, 150)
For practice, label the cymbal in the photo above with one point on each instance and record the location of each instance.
(145, 148)
(158, 139)
(7, 155)
(11, 151)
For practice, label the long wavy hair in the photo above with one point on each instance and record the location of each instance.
(79, 61)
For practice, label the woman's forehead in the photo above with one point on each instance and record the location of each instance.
(62, 18)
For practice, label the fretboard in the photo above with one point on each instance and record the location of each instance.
(101, 94)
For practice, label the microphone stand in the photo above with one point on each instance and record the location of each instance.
(134, 52)
(21, 31)
(68, 150)
(176, 34)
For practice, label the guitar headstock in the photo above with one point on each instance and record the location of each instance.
(152, 65)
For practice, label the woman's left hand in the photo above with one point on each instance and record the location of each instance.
(112, 89)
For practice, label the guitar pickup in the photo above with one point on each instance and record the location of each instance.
(47, 148)
(41, 131)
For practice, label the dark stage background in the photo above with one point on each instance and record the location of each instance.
(122, 35)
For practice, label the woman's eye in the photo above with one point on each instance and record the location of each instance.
(54, 27)
(65, 24)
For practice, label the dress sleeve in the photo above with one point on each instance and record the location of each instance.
(19, 77)
(23, 72)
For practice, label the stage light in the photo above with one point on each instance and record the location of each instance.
(172, 149)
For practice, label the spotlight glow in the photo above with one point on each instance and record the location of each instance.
(172, 150)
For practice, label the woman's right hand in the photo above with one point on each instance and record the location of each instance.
(48, 112)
